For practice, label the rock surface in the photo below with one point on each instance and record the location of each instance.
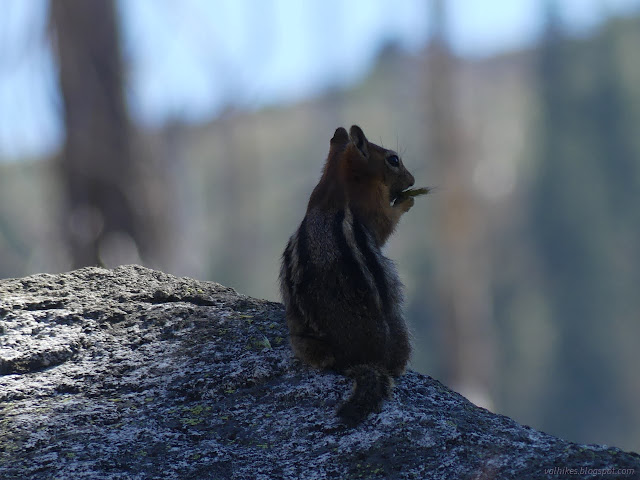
(135, 374)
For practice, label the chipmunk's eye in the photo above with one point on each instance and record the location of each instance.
(393, 160)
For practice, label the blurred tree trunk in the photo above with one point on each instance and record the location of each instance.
(586, 153)
(463, 271)
(97, 168)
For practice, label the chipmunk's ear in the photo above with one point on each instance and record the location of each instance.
(359, 140)
(340, 137)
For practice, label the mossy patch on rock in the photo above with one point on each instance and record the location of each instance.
(133, 373)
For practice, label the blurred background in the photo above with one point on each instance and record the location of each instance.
(187, 136)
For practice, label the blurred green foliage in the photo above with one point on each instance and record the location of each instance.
(585, 227)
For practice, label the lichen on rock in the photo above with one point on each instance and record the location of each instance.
(132, 373)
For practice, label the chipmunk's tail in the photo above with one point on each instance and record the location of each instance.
(371, 388)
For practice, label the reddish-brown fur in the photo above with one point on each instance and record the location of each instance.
(364, 184)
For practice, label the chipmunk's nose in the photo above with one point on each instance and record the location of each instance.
(411, 180)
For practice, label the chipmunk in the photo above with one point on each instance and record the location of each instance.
(342, 296)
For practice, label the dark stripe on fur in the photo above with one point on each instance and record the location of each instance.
(287, 282)
(349, 261)
(304, 259)
(286, 259)
(371, 260)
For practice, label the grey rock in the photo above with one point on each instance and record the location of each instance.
(131, 373)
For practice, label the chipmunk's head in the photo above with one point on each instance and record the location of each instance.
(366, 163)
(357, 169)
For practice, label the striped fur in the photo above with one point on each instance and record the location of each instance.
(342, 296)
(357, 252)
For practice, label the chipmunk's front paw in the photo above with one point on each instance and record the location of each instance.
(404, 203)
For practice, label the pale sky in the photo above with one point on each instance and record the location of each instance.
(191, 58)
